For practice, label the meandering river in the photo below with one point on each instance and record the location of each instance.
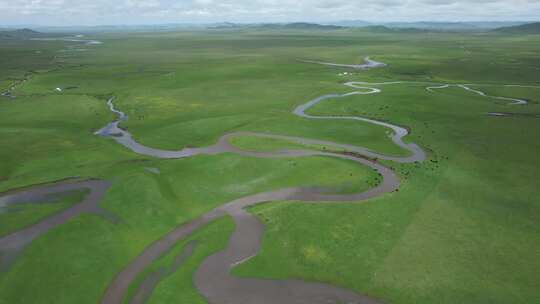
(213, 279)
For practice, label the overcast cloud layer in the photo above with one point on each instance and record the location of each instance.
(97, 12)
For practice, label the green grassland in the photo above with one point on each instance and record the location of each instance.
(24, 214)
(461, 229)
(177, 287)
(253, 143)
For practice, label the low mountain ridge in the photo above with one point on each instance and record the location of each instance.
(21, 34)
(529, 28)
(277, 26)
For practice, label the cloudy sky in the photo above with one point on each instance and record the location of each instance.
(96, 12)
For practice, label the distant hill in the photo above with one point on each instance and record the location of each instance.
(277, 26)
(377, 28)
(350, 23)
(440, 26)
(21, 34)
(311, 26)
(489, 25)
(223, 25)
(503, 26)
(386, 29)
(529, 28)
(430, 25)
(410, 27)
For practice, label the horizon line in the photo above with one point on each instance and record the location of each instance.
(269, 22)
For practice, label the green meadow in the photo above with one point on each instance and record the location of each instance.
(461, 229)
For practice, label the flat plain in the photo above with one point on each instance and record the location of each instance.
(461, 229)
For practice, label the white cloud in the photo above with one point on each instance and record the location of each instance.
(161, 11)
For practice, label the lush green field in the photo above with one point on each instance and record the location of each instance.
(21, 215)
(462, 228)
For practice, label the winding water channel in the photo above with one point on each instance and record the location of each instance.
(368, 64)
(213, 279)
(513, 101)
(12, 244)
